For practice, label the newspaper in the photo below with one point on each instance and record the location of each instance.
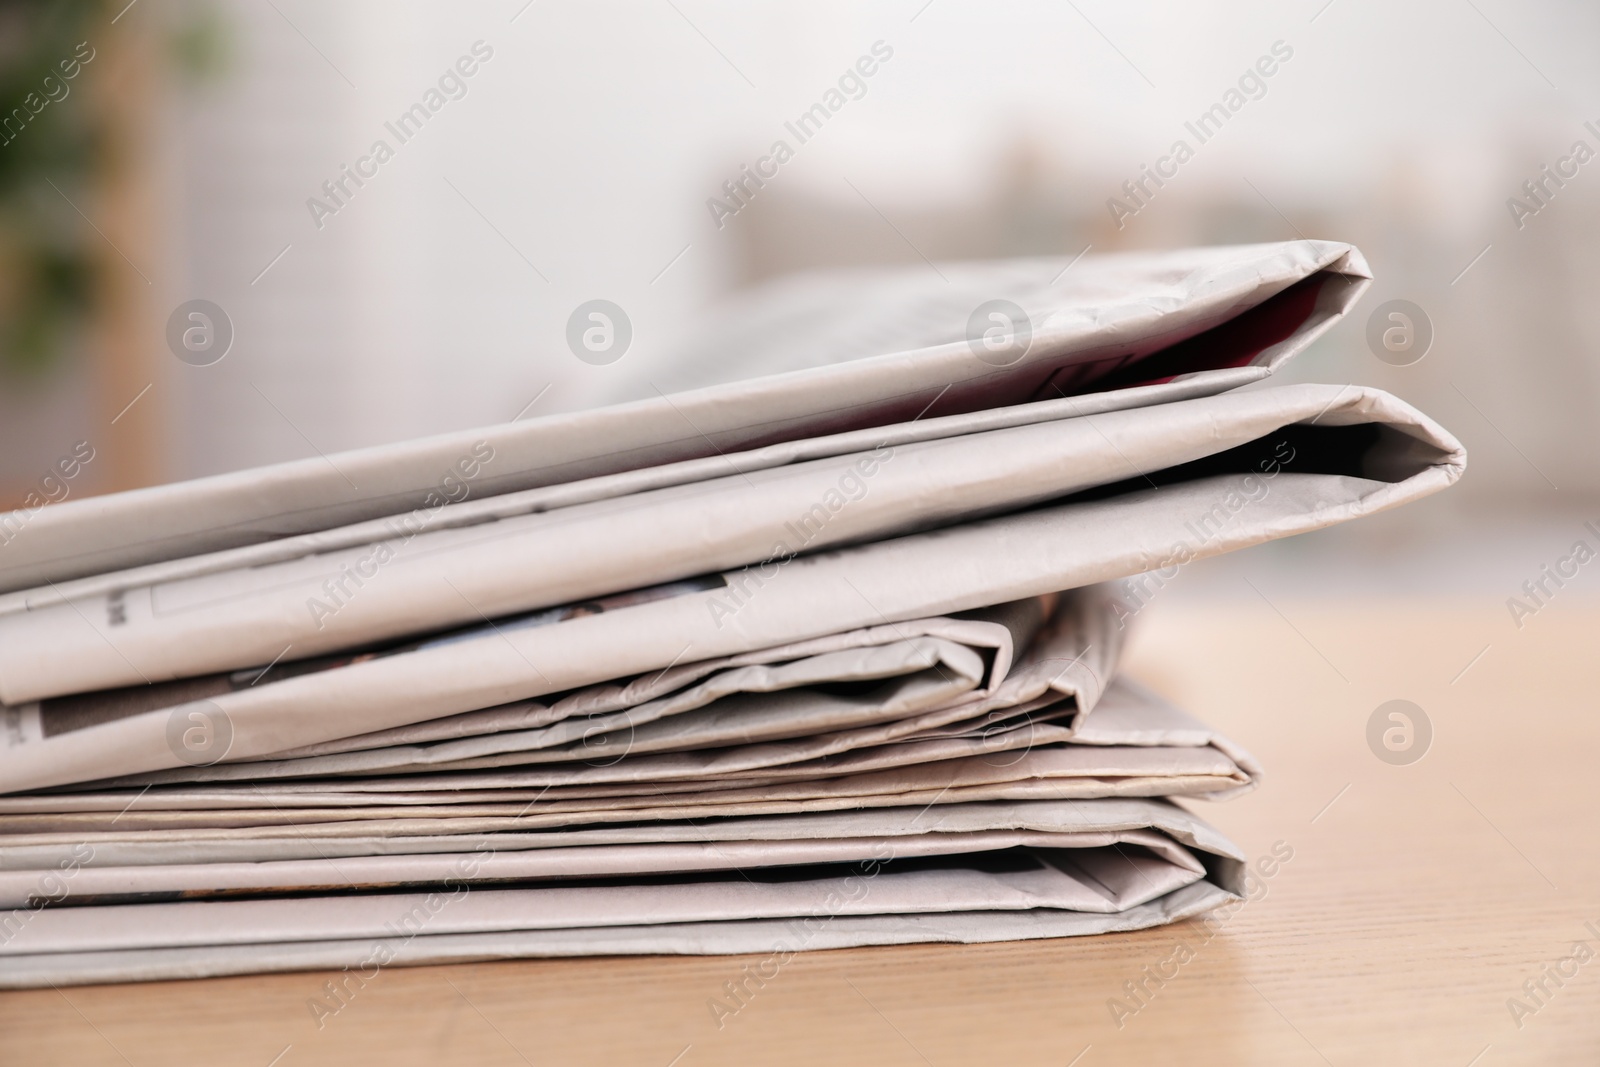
(1088, 880)
(102, 875)
(974, 758)
(965, 872)
(816, 657)
(988, 749)
(472, 511)
(1053, 772)
(1139, 739)
(355, 597)
(1227, 314)
(1340, 453)
(1064, 772)
(1124, 866)
(763, 716)
(992, 633)
(774, 941)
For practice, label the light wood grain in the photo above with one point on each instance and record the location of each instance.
(1415, 905)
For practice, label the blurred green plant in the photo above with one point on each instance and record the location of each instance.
(52, 143)
(199, 43)
(45, 266)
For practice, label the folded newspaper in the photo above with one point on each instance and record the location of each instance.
(812, 657)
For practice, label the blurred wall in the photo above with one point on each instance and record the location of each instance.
(577, 162)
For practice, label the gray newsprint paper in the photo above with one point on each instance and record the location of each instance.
(1137, 745)
(95, 876)
(775, 940)
(1188, 322)
(809, 647)
(1324, 455)
(231, 620)
(965, 872)
(1085, 879)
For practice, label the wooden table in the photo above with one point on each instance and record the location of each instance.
(1418, 900)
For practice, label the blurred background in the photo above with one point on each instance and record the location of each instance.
(200, 150)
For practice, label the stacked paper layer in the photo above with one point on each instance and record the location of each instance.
(810, 658)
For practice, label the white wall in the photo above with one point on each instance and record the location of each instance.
(594, 136)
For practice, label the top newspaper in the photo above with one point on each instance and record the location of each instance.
(1083, 437)
(1198, 321)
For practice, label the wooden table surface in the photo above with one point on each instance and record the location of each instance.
(1418, 900)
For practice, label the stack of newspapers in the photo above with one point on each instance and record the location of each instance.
(818, 654)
